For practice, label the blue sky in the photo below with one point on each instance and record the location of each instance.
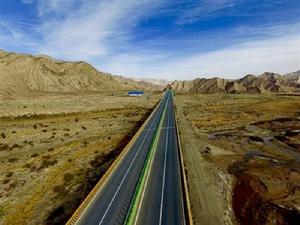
(168, 39)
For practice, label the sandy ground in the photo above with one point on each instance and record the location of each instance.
(242, 157)
(53, 149)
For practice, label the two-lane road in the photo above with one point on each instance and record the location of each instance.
(162, 201)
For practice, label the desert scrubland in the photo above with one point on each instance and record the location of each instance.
(54, 148)
(242, 157)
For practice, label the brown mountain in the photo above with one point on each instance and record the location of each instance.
(23, 75)
(265, 83)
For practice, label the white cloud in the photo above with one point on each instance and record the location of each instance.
(93, 29)
(278, 55)
(204, 8)
(55, 6)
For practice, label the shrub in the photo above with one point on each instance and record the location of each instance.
(76, 120)
(35, 126)
(28, 165)
(68, 177)
(46, 157)
(83, 127)
(4, 147)
(9, 174)
(3, 135)
(47, 162)
(15, 146)
(59, 189)
(44, 130)
(11, 160)
(5, 181)
(34, 155)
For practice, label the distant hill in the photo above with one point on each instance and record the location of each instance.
(138, 84)
(265, 83)
(159, 82)
(23, 75)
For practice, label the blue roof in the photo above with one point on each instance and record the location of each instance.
(135, 92)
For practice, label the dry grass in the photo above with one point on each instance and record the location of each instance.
(55, 149)
(256, 139)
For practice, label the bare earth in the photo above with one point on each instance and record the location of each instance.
(54, 148)
(242, 156)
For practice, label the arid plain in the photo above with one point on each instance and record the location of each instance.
(54, 149)
(243, 149)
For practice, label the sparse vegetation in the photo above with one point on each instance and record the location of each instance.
(39, 158)
(68, 177)
(9, 174)
(12, 160)
(5, 181)
(3, 135)
(34, 155)
(47, 163)
(242, 137)
(15, 146)
(4, 147)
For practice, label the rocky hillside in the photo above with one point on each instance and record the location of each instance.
(265, 83)
(23, 76)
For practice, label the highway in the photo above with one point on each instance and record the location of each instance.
(145, 187)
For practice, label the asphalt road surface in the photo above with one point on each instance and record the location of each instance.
(160, 198)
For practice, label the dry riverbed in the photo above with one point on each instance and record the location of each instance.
(53, 149)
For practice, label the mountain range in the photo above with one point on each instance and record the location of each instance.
(266, 83)
(25, 76)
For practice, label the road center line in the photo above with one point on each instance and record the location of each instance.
(164, 173)
(135, 156)
(144, 189)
